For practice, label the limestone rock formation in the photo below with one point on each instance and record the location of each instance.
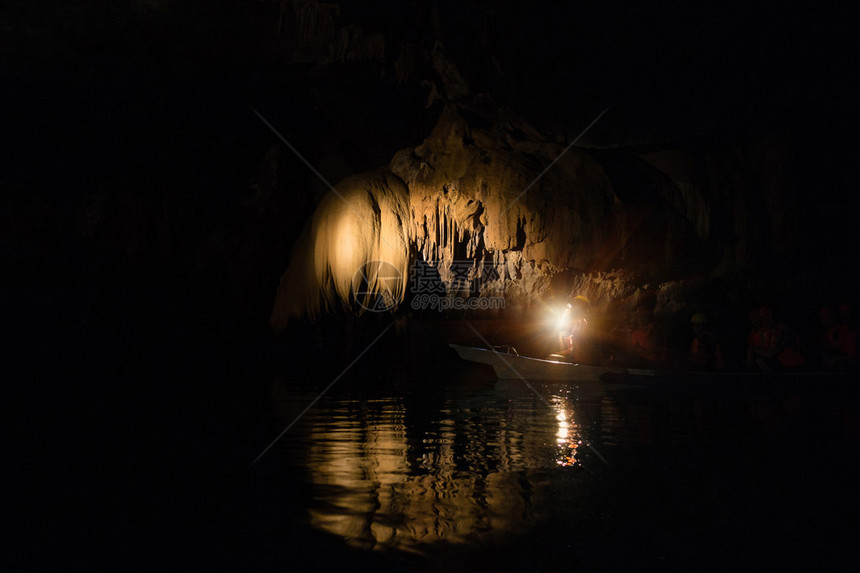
(496, 211)
(362, 222)
(483, 200)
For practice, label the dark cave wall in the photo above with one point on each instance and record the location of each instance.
(529, 221)
(743, 199)
(137, 155)
(148, 214)
(707, 178)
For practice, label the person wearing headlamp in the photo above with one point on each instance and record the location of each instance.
(574, 336)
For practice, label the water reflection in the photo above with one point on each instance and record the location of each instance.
(474, 468)
(568, 436)
(464, 465)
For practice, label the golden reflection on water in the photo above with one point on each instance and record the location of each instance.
(488, 465)
(568, 436)
(473, 473)
(473, 468)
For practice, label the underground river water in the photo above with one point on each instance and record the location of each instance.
(453, 469)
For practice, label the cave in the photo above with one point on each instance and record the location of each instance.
(207, 204)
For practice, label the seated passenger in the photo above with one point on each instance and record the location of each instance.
(705, 352)
(774, 347)
(825, 351)
(754, 339)
(647, 343)
(842, 340)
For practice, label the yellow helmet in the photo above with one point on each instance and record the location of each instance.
(699, 318)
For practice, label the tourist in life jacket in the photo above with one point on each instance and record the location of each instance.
(842, 341)
(705, 353)
(774, 347)
(825, 352)
(752, 338)
(647, 344)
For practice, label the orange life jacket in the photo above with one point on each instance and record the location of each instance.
(790, 356)
(646, 342)
(705, 352)
(844, 340)
(769, 338)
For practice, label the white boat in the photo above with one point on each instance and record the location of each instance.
(508, 364)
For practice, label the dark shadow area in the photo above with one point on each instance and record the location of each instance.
(147, 215)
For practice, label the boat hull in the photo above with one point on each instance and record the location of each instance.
(507, 366)
(512, 366)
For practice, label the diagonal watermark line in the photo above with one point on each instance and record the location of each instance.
(321, 394)
(296, 151)
(532, 388)
(317, 173)
(598, 454)
(556, 160)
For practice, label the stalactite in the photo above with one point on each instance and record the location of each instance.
(472, 203)
(334, 261)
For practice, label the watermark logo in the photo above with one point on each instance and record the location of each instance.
(442, 303)
(374, 285)
(377, 286)
(468, 278)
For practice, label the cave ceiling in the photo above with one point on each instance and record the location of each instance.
(145, 109)
(669, 71)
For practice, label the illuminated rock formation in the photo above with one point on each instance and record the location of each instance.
(496, 210)
(363, 220)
